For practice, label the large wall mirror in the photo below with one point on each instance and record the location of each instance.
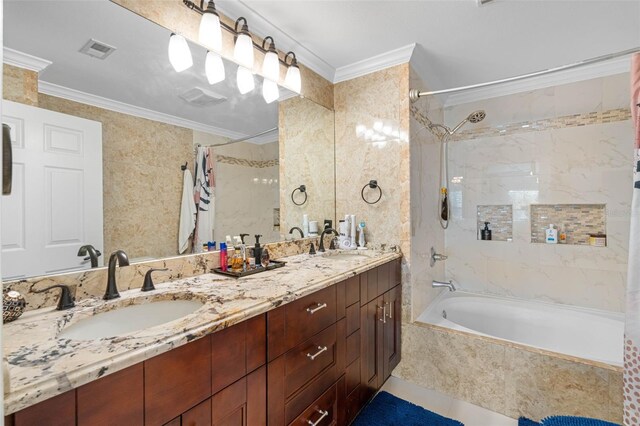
(101, 135)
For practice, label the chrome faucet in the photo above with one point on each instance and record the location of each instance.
(436, 257)
(117, 257)
(295, 228)
(449, 285)
(326, 231)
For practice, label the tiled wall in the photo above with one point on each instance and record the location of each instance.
(586, 160)
(500, 218)
(578, 221)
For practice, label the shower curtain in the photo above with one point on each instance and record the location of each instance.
(632, 326)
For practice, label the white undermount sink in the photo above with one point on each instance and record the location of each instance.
(129, 319)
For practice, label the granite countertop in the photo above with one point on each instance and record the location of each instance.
(41, 366)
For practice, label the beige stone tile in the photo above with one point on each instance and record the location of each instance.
(616, 397)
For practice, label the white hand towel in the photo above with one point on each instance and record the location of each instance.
(187, 212)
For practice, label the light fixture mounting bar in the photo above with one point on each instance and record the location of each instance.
(200, 9)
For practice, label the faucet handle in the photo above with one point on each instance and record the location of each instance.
(66, 300)
(148, 281)
(332, 246)
(312, 249)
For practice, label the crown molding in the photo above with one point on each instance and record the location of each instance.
(586, 72)
(375, 63)
(100, 102)
(23, 60)
(262, 27)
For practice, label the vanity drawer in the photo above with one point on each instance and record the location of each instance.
(307, 360)
(299, 320)
(322, 412)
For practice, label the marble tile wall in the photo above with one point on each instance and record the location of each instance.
(142, 179)
(362, 105)
(175, 16)
(19, 85)
(92, 283)
(425, 228)
(581, 164)
(578, 221)
(306, 158)
(500, 218)
(507, 378)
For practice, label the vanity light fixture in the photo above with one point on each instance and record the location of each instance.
(292, 79)
(179, 53)
(214, 68)
(271, 63)
(243, 49)
(210, 33)
(270, 91)
(245, 80)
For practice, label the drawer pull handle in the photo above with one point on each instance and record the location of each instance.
(383, 319)
(320, 350)
(317, 308)
(324, 413)
(390, 315)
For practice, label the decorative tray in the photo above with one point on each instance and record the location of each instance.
(273, 264)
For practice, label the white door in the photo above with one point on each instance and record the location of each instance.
(55, 205)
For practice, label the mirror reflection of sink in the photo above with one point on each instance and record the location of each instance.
(345, 254)
(129, 319)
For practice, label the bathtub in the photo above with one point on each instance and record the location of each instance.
(577, 332)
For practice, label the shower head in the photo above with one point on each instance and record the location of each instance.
(474, 117)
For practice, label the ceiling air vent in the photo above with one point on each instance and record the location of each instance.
(201, 97)
(97, 49)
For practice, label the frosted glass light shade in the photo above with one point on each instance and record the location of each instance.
(210, 33)
(179, 53)
(243, 51)
(270, 91)
(292, 79)
(214, 68)
(245, 80)
(271, 66)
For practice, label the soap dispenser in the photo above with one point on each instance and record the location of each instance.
(257, 249)
(485, 234)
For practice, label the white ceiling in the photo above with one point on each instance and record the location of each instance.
(458, 42)
(138, 73)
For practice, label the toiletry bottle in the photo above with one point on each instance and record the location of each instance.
(485, 234)
(551, 235)
(352, 231)
(562, 235)
(223, 256)
(257, 249)
(361, 242)
(237, 262)
(305, 225)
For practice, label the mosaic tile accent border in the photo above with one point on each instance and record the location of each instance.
(258, 164)
(574, 120)
(579, 220)
(500, 218)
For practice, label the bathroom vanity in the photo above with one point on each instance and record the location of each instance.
(305, 344)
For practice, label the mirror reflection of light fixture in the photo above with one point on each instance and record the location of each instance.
(179, 53)
(210, 33)
(243, 49)
(214, 68)
(292, 79)
(271, 63)
(270, 91)
(245, 80)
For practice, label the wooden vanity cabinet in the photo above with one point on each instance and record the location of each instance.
(318, 359)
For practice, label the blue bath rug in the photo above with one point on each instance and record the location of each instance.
(388, 410)
(564, 421)
(574, 421)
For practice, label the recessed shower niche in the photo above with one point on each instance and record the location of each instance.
(579, 221)
(500, 218)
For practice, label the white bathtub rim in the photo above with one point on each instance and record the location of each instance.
(432, 318)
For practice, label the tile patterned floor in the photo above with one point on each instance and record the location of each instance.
(469, 414)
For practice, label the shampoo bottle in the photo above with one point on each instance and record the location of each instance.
(223, 257)
(551, 235)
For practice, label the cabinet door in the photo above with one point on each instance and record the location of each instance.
(123, 389)
(244, 403)
(200, 415)
(392, 328)
(371, 345)
(57, 411)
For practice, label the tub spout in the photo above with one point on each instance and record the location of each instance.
(449, 285)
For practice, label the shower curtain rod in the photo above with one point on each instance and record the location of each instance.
(414, 94)
(251, 137)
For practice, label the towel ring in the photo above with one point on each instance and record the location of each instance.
(373, 184)
(303, 190)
